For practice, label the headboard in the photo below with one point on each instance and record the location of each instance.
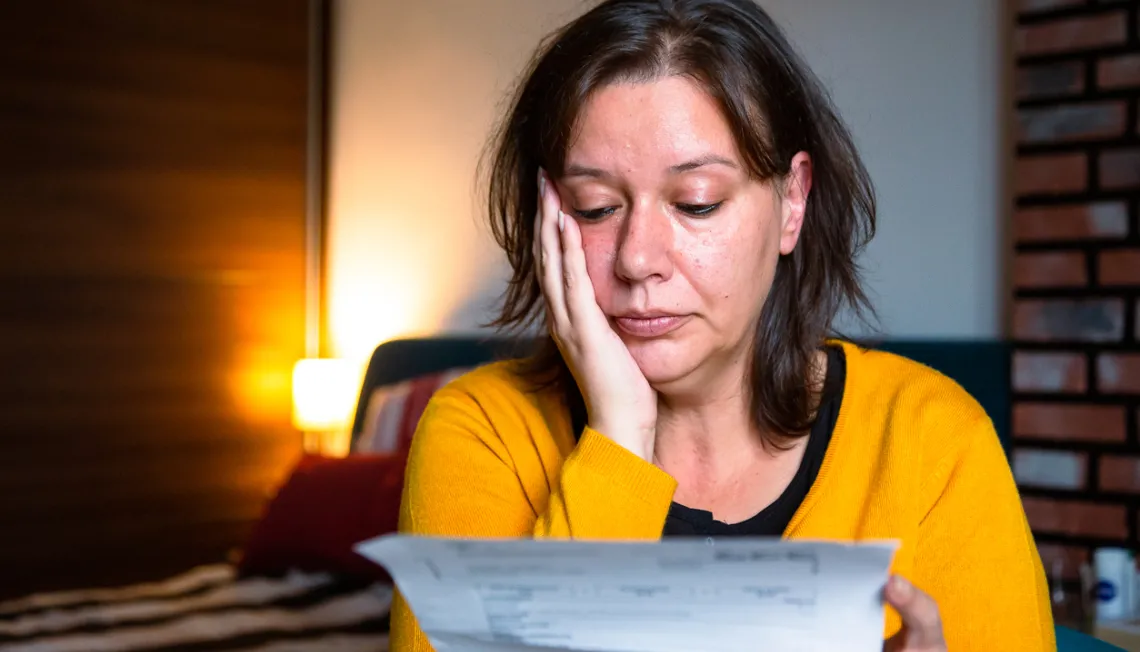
(404, 359)
(982, 367)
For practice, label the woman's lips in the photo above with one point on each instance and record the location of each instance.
(655, 326)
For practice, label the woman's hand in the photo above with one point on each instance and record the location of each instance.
(620, 402)
(922, 626)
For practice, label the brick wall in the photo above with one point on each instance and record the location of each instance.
(1076, 274)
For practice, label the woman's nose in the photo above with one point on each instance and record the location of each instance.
(645, 246)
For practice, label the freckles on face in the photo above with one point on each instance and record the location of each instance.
(600, 247)
(730, 269)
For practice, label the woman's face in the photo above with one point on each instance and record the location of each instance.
(681, 245)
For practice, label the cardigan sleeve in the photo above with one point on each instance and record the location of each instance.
(473, 472)
(975, 554)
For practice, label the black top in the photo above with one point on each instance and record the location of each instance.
(773, 519)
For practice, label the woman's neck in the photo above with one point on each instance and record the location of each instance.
(714, 438)
(710, 430)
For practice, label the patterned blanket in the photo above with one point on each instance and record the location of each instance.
(207, 609)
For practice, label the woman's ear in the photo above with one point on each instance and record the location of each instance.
(796, 187)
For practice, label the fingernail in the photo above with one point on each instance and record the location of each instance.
(901, 587)
(541, 182)
(561, 220)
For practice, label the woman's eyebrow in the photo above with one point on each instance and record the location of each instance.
(574, 170)
(709, 159)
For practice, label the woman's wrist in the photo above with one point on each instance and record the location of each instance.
(638, 440)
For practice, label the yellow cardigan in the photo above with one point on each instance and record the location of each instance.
(912, 457)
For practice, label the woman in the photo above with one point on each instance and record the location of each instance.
(682, 209)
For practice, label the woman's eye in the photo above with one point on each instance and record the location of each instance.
(699, 210)
(595, 213)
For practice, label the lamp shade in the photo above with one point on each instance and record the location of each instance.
(324, 392)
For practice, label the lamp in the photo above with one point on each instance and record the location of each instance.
(324, 393)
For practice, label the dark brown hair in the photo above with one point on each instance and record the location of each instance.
(774, 106)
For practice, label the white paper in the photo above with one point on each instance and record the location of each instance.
(679, 594)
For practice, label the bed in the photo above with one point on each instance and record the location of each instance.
(296, 584)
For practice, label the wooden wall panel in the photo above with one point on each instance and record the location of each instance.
(152, 231)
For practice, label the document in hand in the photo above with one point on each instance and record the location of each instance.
(687, 595)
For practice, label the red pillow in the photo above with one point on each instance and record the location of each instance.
(325, 507)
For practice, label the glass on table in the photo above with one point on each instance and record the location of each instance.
(1071, 595)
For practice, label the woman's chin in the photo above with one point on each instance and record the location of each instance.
(662, 361)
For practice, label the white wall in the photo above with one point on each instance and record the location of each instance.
(919, 81)
(415, 90)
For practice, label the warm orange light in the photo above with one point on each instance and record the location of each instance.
(259, 384)
(324, 395)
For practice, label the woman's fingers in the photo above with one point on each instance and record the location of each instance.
(922, 624)
(620, 401)
(580, 300)
(550, 253)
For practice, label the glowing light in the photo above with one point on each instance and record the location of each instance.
(324, 394)
(259, 384)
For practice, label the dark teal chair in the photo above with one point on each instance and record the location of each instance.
(1069, 640)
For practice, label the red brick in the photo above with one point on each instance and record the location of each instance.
(1050, 372)
(1050, 469)
(1118, 373)
(1051, 174)
(1119, 473)
(1076, 518)
(1119, 267)
(1069, 558)
(1118, 72)
(1071, 122)
(1073, 320)
(1053, 80)
(1072, 34)
(1120, 169)
(1050, 269)
(1065, 422)
(1075, 222)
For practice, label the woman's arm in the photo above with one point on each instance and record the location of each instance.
(975, 554)
(472, 475)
